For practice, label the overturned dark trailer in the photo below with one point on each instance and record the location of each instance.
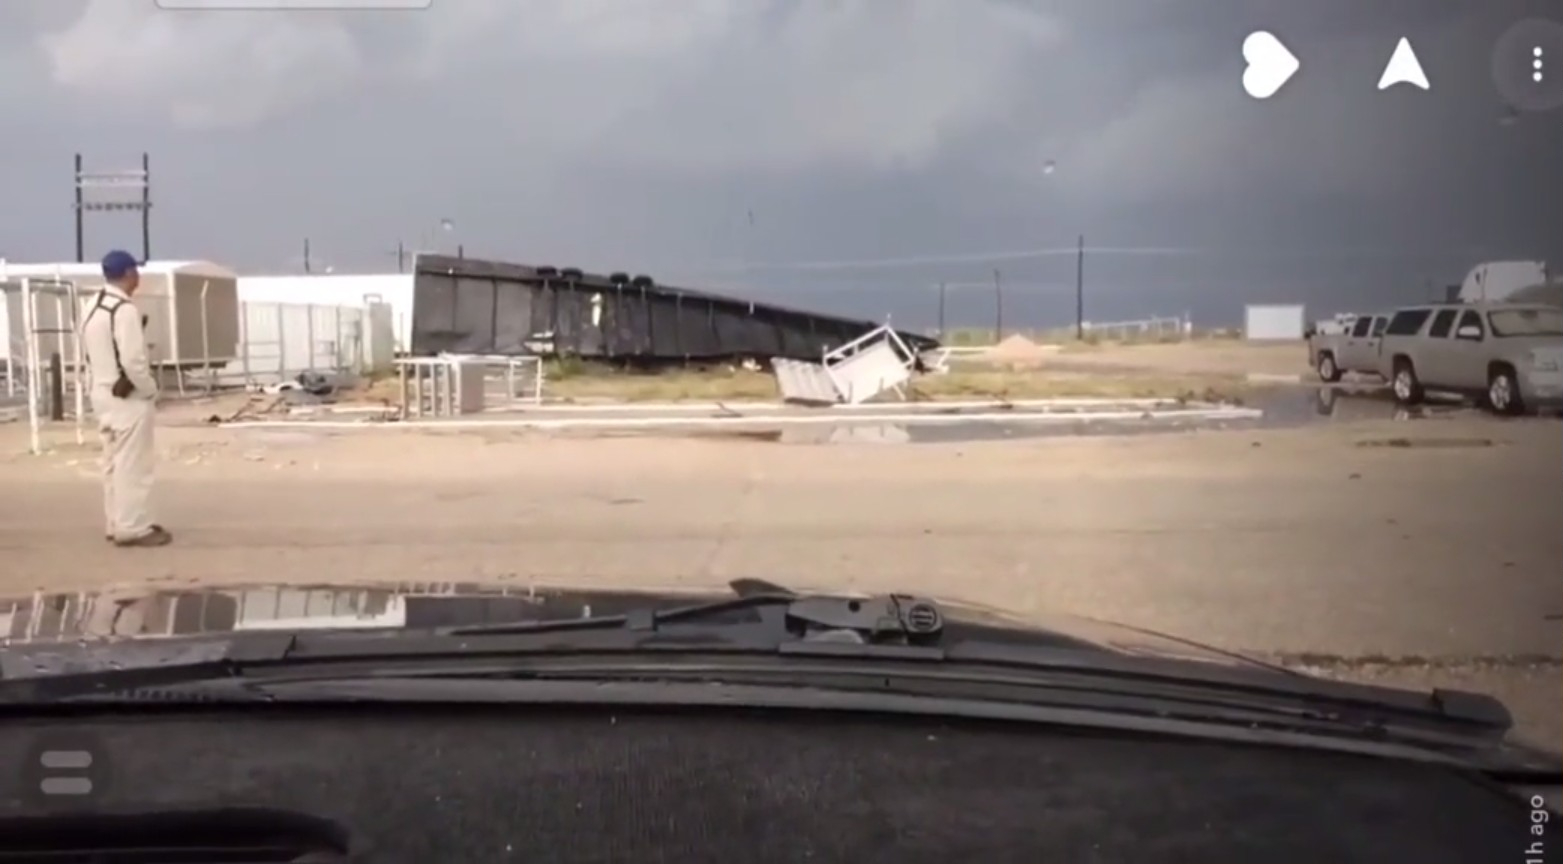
(467, 306)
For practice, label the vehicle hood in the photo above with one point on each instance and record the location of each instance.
(142, 613)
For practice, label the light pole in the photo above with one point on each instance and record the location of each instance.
(1080, 289)
(998, 307)
(942, 291)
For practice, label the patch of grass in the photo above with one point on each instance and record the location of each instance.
(585, 382)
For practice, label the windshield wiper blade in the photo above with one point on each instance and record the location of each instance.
(762, 621)
(890, 626)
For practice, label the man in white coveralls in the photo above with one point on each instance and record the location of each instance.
(123, 394)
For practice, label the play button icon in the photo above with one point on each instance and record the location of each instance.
(1270, 64)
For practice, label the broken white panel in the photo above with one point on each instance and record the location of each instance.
(869, 365)
(804, 383)
(466, 382)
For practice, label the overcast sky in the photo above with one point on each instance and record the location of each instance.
(846, 154)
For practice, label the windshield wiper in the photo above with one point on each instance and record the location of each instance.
(760, 620)
(765, 636)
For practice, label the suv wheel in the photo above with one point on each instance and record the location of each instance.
(1503, 392)
(1407, 387)
(1328, 371)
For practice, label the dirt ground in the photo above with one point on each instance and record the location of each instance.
(1213, 357)
(1417, 554)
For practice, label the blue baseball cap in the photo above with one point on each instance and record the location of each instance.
(118, 264)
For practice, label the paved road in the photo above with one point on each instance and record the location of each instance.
(1435, 561)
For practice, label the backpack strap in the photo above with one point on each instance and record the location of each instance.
(112, 305)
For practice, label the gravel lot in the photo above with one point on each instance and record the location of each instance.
(1422, 553)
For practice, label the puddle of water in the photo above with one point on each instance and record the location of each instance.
(1283, 407)
(146, 611)
(1290, 407)
(976, 431)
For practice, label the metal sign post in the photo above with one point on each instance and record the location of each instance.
(114, 183)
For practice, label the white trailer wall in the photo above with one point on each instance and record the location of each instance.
(1274, 322)
(348, 291)
(280, 340)
(191, 308)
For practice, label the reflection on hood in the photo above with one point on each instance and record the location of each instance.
(152, 614)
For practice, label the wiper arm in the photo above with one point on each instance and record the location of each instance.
(763, 621)
(760, 621)
(891, 618)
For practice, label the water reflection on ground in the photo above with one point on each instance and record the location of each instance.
(1284, 407)
(145, 611)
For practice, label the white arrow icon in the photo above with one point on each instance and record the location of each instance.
(1270, 64)
(1403, 68)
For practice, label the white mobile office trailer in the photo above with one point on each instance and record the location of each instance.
(191, 309)
(1497, 281)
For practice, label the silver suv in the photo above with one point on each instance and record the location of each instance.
(1508, 355)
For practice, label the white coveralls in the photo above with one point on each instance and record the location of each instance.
(113, 338)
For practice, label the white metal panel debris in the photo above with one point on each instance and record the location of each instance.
(802, 383)
(879, 361)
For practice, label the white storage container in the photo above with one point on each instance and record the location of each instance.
(1263, 323)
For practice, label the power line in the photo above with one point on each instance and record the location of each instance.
(1233, 253)
(953, 258)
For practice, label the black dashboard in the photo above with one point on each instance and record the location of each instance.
(466, 786)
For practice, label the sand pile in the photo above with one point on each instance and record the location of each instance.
(1017, 350)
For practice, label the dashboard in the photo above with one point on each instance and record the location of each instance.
(390, 784)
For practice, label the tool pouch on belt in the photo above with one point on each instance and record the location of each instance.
(122, 387)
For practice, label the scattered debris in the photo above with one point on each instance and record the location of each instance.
(308, 381)
(1408, 443)
(255, 408)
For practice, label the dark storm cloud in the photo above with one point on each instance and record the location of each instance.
(601, 132)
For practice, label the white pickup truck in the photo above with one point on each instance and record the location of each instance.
(1351, 346)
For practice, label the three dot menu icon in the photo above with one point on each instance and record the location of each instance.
(1527, 65)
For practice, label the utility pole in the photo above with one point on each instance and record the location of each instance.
(306, 254)
(942, 289)
(120, 181)
(1080, 289)
(998, 308)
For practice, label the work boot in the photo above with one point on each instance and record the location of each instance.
(155, 536)
(108, 536)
